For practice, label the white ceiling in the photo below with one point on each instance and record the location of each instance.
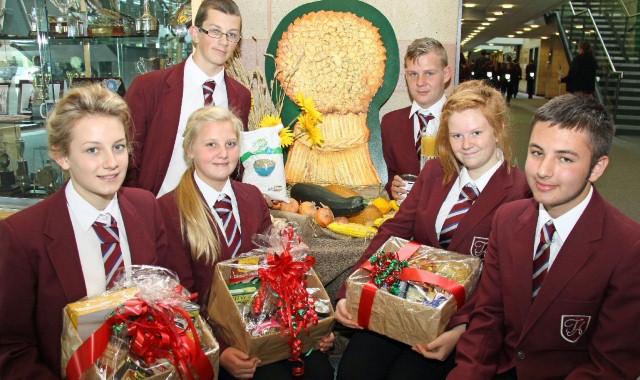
(511, 20)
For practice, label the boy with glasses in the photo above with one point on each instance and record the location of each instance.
(161, 101)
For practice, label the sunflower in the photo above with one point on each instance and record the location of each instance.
(286, 137)
(308, 106)
(270, 121)
(310, 125)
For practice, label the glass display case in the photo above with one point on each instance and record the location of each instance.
(48, 46)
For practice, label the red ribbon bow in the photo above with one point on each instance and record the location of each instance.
(154, 335)
(296, 309)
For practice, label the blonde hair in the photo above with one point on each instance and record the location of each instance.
(475, 94)
(196, 218)
(80, 102)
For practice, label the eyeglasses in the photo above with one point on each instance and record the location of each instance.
(217, 34)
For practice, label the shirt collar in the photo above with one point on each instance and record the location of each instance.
(84, 212)
(564, 223)
(481, 182)
(435, 109)
(196, 75)
(212, 195)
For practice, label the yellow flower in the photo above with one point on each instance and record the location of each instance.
(310, 126)
(286, 137)
(270, 121)
(308, 107)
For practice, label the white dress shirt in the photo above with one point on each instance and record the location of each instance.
(460, 182)
(192, 99)
(211, 196)
(435, 110)
(564, 225)
(83, 215)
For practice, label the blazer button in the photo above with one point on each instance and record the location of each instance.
(520, 355)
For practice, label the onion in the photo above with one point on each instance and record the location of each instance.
(307, 208)
(324, 216)
(292, 206)
(341, 220)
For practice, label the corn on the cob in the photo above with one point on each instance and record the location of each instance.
(394, 205)
(378, 222)
(353, 229)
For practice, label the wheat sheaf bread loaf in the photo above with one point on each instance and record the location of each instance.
(336, 58)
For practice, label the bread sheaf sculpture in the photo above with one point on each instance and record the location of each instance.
(338, 59)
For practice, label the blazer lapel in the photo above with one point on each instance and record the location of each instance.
(573, 255)
(521, 258)
(438, 195)
(62, 249)
(171, 106)
(247, 220)
(141, 249)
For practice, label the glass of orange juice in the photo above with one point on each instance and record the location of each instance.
(427, 147)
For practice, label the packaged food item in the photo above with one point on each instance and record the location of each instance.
(288, 313)
(149, 330)
(261, 157)
(409, 291)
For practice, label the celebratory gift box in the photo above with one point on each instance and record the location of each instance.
(409, 291)
(147, 331)
(272, 306)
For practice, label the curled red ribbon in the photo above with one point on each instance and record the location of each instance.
(296, 308)
(154, 335)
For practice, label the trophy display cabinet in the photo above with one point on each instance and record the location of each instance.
(49, 46)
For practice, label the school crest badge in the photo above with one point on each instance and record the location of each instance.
(572, 327)
(479, 246)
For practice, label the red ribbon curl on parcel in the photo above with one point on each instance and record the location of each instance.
(295, 307)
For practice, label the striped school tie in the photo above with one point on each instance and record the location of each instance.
(224, 209)
(424, 121)
(110, 247)
(207, 91)
(468, 195)
(541, 258)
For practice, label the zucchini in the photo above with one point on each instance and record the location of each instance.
(341, 206)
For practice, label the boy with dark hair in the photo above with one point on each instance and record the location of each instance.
(560, 290)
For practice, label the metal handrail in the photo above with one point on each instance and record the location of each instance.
(624, 6)
(604, 47)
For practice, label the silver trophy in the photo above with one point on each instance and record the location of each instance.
(147, 24)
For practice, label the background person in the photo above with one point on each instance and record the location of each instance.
(582, 72)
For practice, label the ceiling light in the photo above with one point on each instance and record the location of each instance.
(578, 26)
(519, 32)
(556, 33)
(486, 23)
(482, 28)
(507, 6)
(544, 37)
(491, 19)
(469, 5)
(526, 29)
(498, 13)
(534, 26)
(511, 35)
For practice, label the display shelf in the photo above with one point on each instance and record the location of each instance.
(39, 62)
